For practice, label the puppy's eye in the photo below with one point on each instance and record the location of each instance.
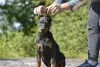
(41, 22)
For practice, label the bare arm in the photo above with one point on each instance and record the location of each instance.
(58, 6)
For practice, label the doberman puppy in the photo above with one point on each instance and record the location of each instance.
(47, 48)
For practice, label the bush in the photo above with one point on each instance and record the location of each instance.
(70, 31)
(16, 44)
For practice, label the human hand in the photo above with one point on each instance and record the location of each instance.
(53, 8)
(40, 10)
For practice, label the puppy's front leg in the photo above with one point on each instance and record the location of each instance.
(53, 64)
(38, 62)
(62, 65)
(53, 61)
(53, 57)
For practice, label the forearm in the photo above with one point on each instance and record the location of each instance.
(67, 5)
(60, 1)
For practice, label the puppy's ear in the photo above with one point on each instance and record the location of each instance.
(40, 16)
(49, 19)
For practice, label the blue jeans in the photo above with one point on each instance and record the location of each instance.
(93, 31)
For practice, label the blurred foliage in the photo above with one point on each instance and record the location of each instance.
(16, 44)
(19, 43)
(19, 11)
(69, 30)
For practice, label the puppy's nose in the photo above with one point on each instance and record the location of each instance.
(42, 29)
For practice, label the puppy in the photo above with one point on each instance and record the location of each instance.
(47, 48)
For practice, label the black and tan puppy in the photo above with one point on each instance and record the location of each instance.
(47, 48)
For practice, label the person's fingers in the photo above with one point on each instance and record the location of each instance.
(54, 9)
(40, 10)
(53, 6)
(49, 8)
(35, 12)
(57, 9)
(43, 9)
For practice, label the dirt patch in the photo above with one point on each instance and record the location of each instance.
(30, 62)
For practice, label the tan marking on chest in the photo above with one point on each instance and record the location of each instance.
(50, 44)
(38, 46)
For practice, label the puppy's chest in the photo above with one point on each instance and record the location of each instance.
(45, 44)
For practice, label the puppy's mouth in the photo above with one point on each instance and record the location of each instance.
(43, 30)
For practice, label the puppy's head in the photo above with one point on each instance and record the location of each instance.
(44, 24)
